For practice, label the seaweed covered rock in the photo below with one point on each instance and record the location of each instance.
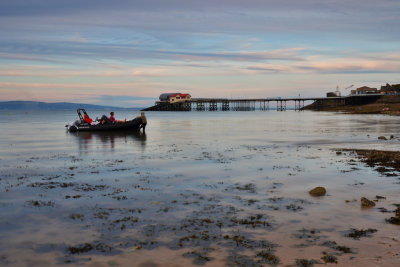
(396, 218)
(366, 203)
(358, 233)
(318, 191)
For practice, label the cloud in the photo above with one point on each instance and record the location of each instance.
(361, 64)
(242, 63)
(30, 57)
(250, 56)
(63, 50)
(79, 50)
(177, 17)
(342, 63)
(77, 38)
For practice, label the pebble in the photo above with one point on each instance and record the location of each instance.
(318, 191)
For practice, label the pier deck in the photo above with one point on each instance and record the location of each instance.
(250, 104)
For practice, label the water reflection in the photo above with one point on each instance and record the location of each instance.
(110, 140)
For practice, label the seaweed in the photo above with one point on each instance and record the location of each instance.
(357, 234)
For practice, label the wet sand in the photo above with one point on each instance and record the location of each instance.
(199, 202)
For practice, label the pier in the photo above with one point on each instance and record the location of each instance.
(263, 104)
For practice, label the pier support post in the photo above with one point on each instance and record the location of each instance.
(213, 106)
(200, 106)
(186, 106)
(262, 105)
(281, 105)
(225, 106)
(298, 105)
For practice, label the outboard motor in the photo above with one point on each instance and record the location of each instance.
(74, 126)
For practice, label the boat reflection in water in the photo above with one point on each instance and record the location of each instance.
(91, 141)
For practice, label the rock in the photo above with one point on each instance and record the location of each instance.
(394, 220)
(366, 203)
(382, 138)
(318, 191)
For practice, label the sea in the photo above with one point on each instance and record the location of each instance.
(197, 189)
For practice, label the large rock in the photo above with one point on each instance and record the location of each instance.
(318, 191)
(366, 203)
(396, 219)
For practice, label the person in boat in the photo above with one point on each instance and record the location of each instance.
(144, 121)
(105, 120)
(112, 118)
(87, 118)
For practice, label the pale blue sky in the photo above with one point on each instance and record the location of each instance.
(128, 52)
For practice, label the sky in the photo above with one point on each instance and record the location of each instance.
(127, 53)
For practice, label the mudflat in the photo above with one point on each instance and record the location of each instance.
(201, 191)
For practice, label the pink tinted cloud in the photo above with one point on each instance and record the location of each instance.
(61, 92)
(374, 63)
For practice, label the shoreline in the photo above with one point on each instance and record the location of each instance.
(388, 105)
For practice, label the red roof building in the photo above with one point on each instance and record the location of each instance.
(174, 97)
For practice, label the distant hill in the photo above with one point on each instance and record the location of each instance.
(34, 105)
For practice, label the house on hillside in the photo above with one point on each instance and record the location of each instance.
(364, 90)
(388, 89)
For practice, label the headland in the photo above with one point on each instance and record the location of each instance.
(387, 104)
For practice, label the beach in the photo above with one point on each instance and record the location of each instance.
(201, 189)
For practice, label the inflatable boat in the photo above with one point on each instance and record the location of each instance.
(80, 124)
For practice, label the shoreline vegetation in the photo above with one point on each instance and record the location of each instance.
(387, 163)
(389, 105)
(384, 162)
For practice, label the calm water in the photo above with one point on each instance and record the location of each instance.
(199, 188)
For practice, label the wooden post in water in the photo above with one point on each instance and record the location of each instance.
(298, 105)
(200, 106)
(225, 106)
(281, 105)
(213, 106)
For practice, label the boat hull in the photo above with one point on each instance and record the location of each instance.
(132, 125)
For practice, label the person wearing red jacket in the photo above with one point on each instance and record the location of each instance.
(112, 118)
(87, 118)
